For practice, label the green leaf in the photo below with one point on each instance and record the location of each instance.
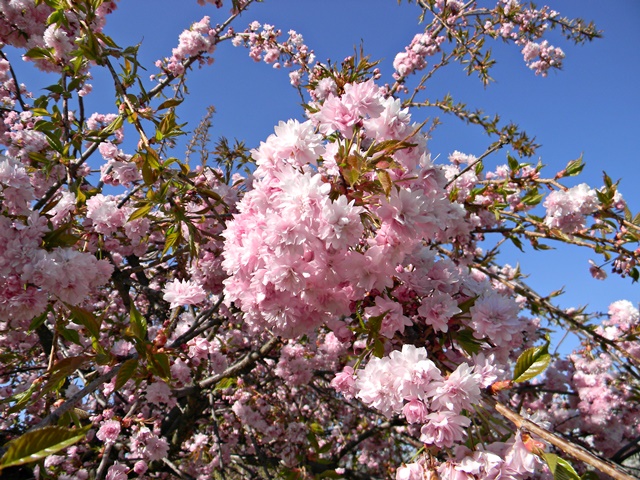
(149, 175)
(225, 383)
(140, 212)
(21, 399)
(59, 237)
(86, 319)
(374, 323)
(39, 444)
(172, 102)
(467, 304)
(590, 475)
(385, 181)
(467, 341)
(69, 335)
(39, 320)
(329, 473)
(531, 363)
(574, 167)
(159, 363)
(517, 242)
(378, 348)
(532, 197)
(38, 52)
(62, 369)
(113, 126)
(170, 241)
(514, 165)
(126, 371)
(561, 469)
(316, 428)
(138, 325)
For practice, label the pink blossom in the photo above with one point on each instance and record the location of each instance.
(140, 467)
(596, 271)
(107, 217)
(410, 471)
(159, 392)
(566, 210)
(624, 314)
(183, 292)
(392, 320)
(15, 186)
(444, 428)
(117, 471)
(67, 273)
(344, 382)
(109, 431)
(518, 458)
(385, 383)
(156, 448)
(437, 309)
(363, 99)
(461, 390)
(335, 116)
(495, 317)
(180, 372)
(540, 57)
(325, 87)
(415, 411)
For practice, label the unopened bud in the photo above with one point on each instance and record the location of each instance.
(534, 446)
(499, 386)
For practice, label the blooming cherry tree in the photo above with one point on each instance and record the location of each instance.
(325, 305)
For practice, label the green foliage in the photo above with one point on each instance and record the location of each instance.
(39, 444)
(531, 363)
(560, 468)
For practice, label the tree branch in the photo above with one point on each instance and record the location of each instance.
(575, 451)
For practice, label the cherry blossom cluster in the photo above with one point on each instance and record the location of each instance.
(540, 57)
(567, 210)
(594, 396)
(263, 44)
(24, 25)
(199, 41)
(291, 257)
(414, 57)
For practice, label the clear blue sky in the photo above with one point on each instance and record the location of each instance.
(591, 107)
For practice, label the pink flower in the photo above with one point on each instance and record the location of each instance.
(437, 309)
(344, 382)
(459, 391)
(185, 292)
(444, 428)
(393, 319)
(117, 471)
(410, 471)
(566, 210)
(415, 411)
(159, 392)
(140, 467)
(105, 214)
(109, 431)
(495, 317)
(156, 448)
(540, 57)
(596, 271)
(519, 458)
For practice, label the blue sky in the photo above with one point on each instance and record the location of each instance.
(591, 107)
